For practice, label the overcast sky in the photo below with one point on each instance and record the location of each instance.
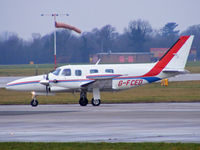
(24, 16)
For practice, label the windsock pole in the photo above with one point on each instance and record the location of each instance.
(55, 64)
(60, 25)
(54, 15)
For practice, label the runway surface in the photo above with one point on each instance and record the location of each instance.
(150, 122)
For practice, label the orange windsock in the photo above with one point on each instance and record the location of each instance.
(67, 26)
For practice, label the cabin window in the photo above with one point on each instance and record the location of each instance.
(109, 71)
(56, 72)
(78, 72)
(94, 71)
(66, 72)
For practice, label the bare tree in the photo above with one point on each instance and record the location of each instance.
(169, 30)
(194, 30)
(138, 32)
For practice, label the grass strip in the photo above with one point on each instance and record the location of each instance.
(97, 146)
(187, 91)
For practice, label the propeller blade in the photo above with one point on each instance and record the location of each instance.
(47, 86)
(46, 83)
(47, 89)
(47, 76)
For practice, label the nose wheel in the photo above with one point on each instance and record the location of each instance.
(34, 101)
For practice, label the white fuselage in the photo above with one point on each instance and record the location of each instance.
(107, 77)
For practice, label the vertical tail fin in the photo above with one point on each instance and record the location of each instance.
(175, 58)
(179, 53)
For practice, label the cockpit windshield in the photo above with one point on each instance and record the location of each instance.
(56, 72)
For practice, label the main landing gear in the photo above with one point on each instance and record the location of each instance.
(83, 101)
(34, 101)
(96, 97)
(96, 102)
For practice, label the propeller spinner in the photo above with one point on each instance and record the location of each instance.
(46, 83)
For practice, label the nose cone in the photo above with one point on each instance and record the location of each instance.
(26, 84)
(18, 85)
(11, 85)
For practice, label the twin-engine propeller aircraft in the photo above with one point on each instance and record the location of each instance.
(105, 77)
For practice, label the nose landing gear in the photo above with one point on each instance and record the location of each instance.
(34, 101)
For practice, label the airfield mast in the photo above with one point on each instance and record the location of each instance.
(54, 15)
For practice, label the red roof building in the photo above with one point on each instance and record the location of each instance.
(121, 57)
(159, 52)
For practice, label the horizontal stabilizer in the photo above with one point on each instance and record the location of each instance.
(176, 71)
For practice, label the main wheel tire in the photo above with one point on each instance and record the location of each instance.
(34, 102)
(83, 101)
(96, 102)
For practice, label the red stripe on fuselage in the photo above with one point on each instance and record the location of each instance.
(167, 57)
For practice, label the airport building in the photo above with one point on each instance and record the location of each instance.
(122, 57)
(159, 52)
(138, 57)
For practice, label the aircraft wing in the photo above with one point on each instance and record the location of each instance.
(100, 80)
(88, 83)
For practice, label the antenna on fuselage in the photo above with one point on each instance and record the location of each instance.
(98, 62)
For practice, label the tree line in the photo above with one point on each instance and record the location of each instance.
(138, 36)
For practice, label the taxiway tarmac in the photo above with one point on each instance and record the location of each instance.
(150, 122)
